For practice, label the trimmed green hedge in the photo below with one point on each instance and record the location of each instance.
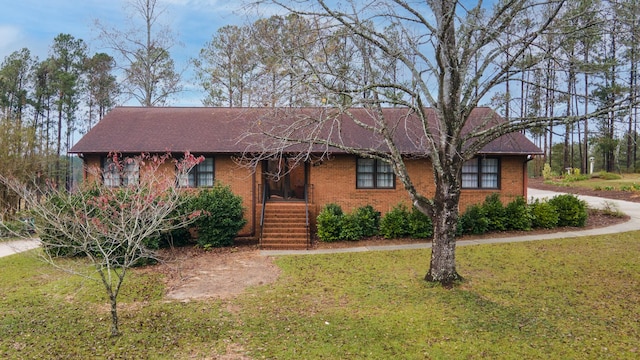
(491, 215)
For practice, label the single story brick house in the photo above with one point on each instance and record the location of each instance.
(281, 207)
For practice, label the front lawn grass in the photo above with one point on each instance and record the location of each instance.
(629, 182)
(562, 299)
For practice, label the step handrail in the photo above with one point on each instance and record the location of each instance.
(306, 212)
(265, 190)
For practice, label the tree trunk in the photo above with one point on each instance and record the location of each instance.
(445, 222)
(114, 315)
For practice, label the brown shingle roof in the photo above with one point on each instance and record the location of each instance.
(223, 130)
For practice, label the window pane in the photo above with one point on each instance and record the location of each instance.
(385, 175)
(365, 165)
(206, 165)
(364, 174)
(131, 173)
(489, 166)
(469, 180)
(205, 179)
(385, 180)
(470, 174)
(490, 173)
(183, 180)
(365, 180)
(470, 166)
(110, 174)
(202, 175)
(191, 178)
(489, 180)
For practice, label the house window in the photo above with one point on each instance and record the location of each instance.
(481, 173)
(202, 175)
(120, 174)
(374, 174)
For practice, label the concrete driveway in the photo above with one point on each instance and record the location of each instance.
(628, 207)
(13, 247)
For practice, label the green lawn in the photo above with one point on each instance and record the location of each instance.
(628, 182)
(564, 299)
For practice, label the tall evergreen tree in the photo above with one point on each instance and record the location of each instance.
(102, 89)
(66, 64)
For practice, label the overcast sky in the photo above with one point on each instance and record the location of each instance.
(33, 24)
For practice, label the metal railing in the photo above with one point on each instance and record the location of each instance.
(306, 211)
(265, 195)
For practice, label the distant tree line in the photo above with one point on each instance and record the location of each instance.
(45, 103)
(589, 61)
(40, 103)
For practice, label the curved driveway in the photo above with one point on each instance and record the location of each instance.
(13, 247)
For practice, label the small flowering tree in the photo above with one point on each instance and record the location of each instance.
(109, 225)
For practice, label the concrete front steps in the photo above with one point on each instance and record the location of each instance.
(284, 226)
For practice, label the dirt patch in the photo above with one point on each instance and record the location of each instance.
(192, 273)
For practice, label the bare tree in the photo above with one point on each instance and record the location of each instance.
(109, 225)
(452, 58)
(150, 72)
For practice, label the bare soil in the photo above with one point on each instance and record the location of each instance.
(193, 273)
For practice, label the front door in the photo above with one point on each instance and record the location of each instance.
(285, 179)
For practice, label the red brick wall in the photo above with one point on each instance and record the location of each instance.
(334, 181)
(240, 179)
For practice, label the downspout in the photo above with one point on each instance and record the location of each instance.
(85, 172)
(525, 175)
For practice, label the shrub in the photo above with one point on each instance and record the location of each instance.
(571, 210)
(495, 213)
(350, 228)
(518, 215)
(221, 216)
(57, 243)
(547, 174)
(395, 223)
(22, 227)
(608, 176)
(368, 219)
(575, 176)
(329, 223)
(180, 236)
(544, 215)
(420, 225)
(473, 221)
